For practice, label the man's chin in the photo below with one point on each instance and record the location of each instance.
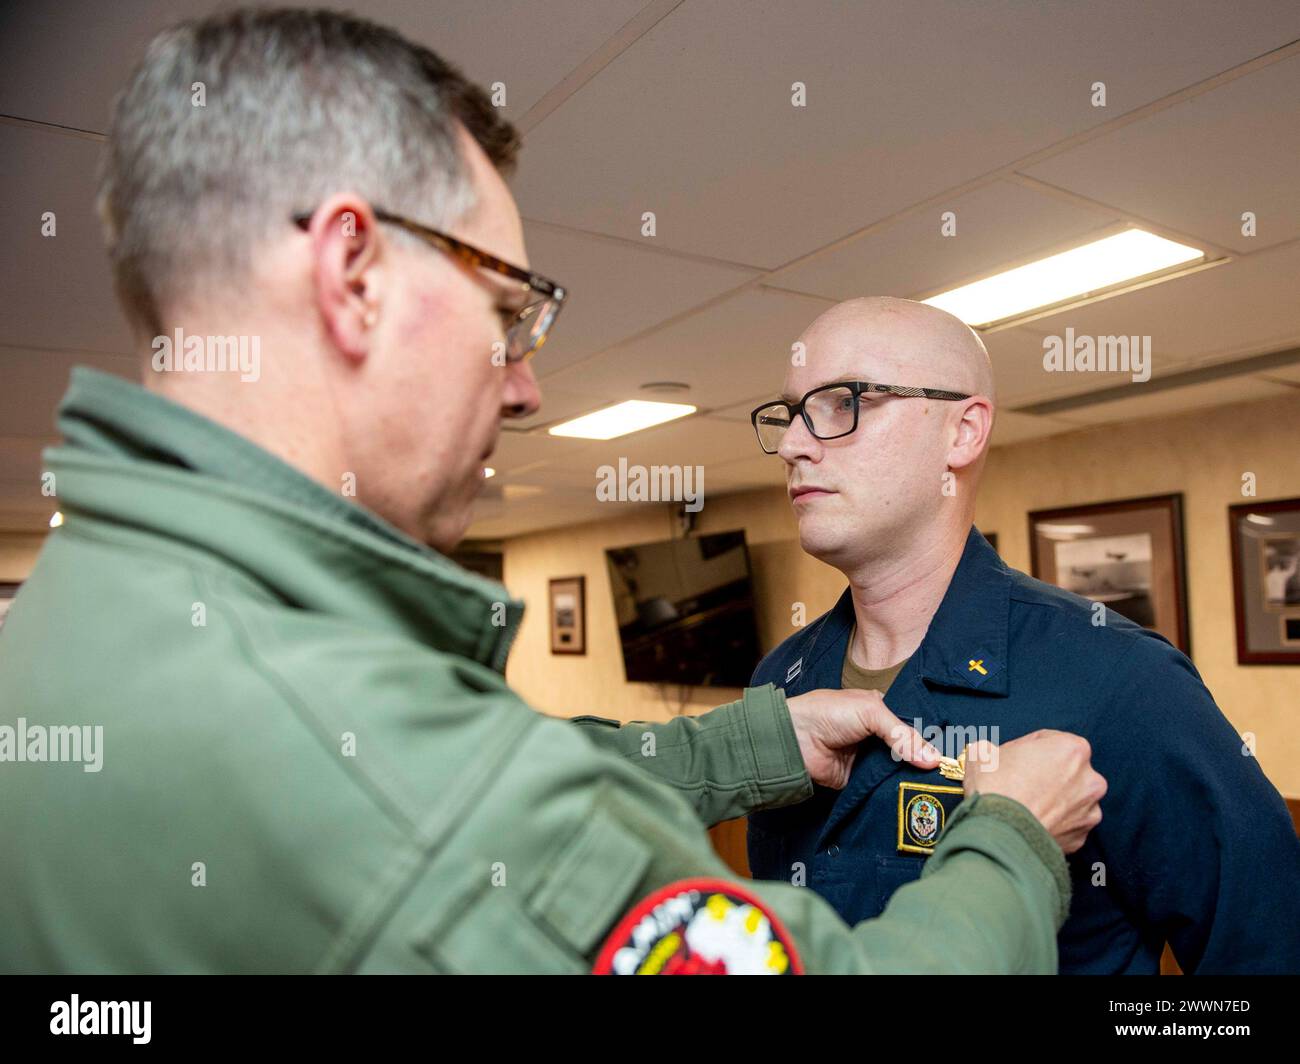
(819, 541)
(442, 539)
(447, 526)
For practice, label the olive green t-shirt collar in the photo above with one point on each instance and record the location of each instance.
(854, 677)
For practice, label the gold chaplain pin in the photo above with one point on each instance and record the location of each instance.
(953, 768)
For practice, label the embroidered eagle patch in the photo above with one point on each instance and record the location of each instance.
(922, 814)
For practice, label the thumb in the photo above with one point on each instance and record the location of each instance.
(904, 741)
(981, 754)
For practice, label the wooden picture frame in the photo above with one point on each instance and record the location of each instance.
(568, 615)
(1128, 554)
(1265, 544)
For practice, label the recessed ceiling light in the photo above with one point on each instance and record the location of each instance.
(1070, 275)
(620, 419)
(666, 387)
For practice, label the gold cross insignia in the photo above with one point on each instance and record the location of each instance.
(978, 666)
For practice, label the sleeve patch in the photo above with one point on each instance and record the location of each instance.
(699, 927)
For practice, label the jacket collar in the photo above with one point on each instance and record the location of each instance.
(135, 459)
(970, 626)
(966, 644)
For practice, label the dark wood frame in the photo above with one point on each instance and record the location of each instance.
(1246, 656)
(581, 581)
(1173, 504)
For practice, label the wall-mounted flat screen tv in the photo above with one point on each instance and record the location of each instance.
(685, 611)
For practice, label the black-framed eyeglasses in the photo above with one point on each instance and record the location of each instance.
(526, 327)
(830, 411)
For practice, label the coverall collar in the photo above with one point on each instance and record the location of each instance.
(135, 460)
(967, 634)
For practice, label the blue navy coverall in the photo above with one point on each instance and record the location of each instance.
(1195, 847)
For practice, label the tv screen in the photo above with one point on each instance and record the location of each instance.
(685, 611)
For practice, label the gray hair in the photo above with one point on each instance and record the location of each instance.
(299, 105)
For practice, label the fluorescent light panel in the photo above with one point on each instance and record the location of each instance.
(1080, 271)
(620, 419)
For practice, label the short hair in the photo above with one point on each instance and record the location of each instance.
(299, 104)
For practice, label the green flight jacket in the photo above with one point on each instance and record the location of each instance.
(311, 761)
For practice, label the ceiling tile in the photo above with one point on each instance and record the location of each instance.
(736, 348)
(995, 226)
(741, 411)
(65, 62)
(559, 404)
(695, 441)
(520, 450)
(616, 290)
(695, 122)
(1246, 306)
(1018, 373)
(1198, 165)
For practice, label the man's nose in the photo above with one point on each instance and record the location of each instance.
(797, 442)
(522, 395)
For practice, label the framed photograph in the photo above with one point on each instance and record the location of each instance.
(7, 593)
(1127, 554)
(569, 615)
(1266, 581)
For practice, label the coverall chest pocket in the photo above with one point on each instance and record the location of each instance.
(555, 922)
(488, 932)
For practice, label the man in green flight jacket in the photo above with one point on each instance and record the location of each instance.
(307, 758)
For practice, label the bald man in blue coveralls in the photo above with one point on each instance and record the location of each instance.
(1195, 848)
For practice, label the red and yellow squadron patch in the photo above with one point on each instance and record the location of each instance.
(699, 927)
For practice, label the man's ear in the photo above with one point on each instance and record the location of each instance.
(971, 432)
(345, 252)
